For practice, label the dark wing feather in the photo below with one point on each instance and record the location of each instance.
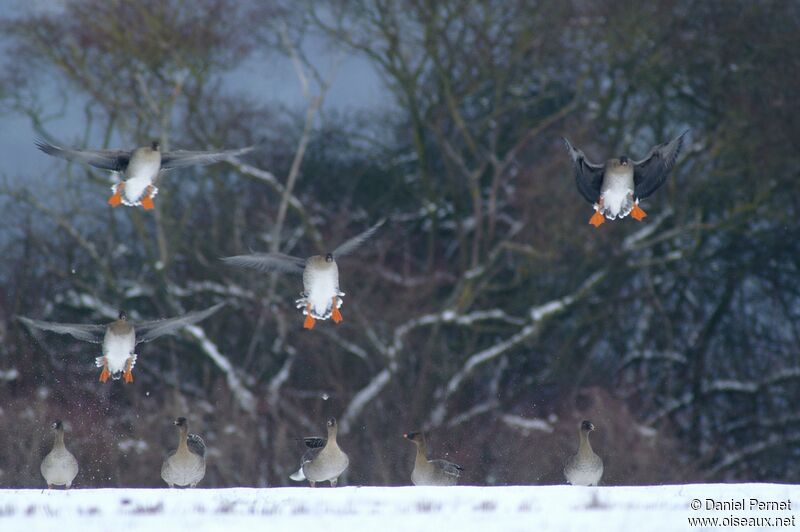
(353, 244)
(150, 330)
(268, 262)
(448, 467)
(315, 443)
(196, 444)
(652, 171)
(309, 455)
(116, 160)
(588, 176)
(87, 333)
(181, 158)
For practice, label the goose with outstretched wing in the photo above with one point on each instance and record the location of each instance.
(321, 298)
(120, 337)
(139, 167)
(615, 188)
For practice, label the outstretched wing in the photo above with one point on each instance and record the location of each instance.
(651, 172)
(449, 468)
(353, 244)
(588, 176)
(181, 158)
(150, 330)
(116, 160)
(87, 333)
(268, 262)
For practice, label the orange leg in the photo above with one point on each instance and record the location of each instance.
(638, 212)
(597, 219)
(336, 315)
(309, 321)
(104, 375)
(147, 200)
(116, 198)
(128, 375)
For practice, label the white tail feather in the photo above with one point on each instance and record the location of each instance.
(298, 476)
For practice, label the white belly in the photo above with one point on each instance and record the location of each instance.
(183, 469)
(617, 195)
(587, 474)
(138, 178)
(59, 467)
(326, 467)
(320, 290)
(430, 478)
(117, 349)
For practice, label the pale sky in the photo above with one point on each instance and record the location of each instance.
(272, 80)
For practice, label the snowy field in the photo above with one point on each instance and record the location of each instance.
(461, 509)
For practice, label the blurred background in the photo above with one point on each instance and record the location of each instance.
(486, 312)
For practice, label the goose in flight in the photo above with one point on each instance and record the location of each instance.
(139, 167)
(120, 337)
(321, 298)
(616, 187)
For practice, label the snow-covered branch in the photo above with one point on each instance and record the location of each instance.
(774, 440)
(536, 315)
(526, 425)
(243, 396)
(365, 396)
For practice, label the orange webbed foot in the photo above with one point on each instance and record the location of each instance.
(127, 376)
(116, 199)
(309, 321)
(104, 375)
(638, 213)
(597, 219)
(336, 315)
(147, 200)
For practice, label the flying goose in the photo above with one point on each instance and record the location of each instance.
(584, 468)
(324, 460)
(321, 298)
(139, 167)
(614, 189)
(59, 467)
(431, 472)
(186, 465)
(120, 337)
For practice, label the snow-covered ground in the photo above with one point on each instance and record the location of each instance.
(459, 509)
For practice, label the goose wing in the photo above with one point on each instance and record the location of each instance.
(87, 333)
(268, 262)
(150, 330)
(651, 172)
(183, 158)
(315, 443)
(354, 243)
(588, 176)
(196, 444)
(116, 160)
(449, 468)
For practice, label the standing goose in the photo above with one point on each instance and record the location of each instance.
(614, 189)
(324, 460)
(139, 167)
(186, 465)
(584, 468)
(120, 337)
(321, 298)
(431, 472)
(59, 467)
